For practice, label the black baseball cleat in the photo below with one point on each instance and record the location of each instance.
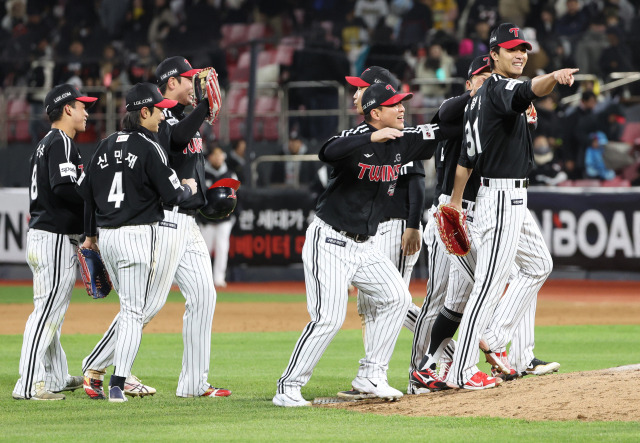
(427, 378)
(540, 367)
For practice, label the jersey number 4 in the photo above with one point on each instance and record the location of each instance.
(472, 138)
(115, 193)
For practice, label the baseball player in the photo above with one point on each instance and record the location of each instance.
(216, 233)
(124, 182)
(448, 286)
(339, 247)
(55, 226)
(399, 231)
(498, 146)
(186, 256)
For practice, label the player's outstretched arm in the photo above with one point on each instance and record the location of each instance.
(385, 134)
(544, 84)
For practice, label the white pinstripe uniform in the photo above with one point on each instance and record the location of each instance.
(186, 258)
(334, 258)
(51, 256)
(369, 270)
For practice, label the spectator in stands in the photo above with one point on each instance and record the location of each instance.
(574, 22)
(594, 157)
(547, 171)
(40, 76)
(577, 126)
(112, 72)
(590, 47)
(435, 64)
(371, 11)
(445, 13)
(236, 160)
(546, 29)
(293, 173)
(415, 24)
(514, 11)
(142, 64)
(480, 10)
(353, 34)
(616, 57)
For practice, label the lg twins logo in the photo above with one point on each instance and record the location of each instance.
(195, 145)
(514, 31)
(390, 88)
(384, 173)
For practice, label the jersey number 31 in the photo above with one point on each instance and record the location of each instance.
(472, 139)
(115, 193)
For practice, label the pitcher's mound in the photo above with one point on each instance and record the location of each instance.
(603, 395)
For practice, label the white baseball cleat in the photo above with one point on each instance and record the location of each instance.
(540, 367)
(376, 386)
(133, 387)
(291, 399)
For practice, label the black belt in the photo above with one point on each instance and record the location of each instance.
(467, 204)
(518, 182)
(358, 238)
(181, 210)
(387, 219)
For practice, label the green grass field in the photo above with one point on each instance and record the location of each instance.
(249, 364)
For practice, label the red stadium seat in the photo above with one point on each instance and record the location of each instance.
(587, 183)
(631, 132)
(617, 182)
(18, 121)
(257, 31)
(233, 34)
(284, 55)
(565, 183)
(233, 99)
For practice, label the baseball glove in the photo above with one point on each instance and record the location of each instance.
(94, 274)
(206, 87)
(452, 227)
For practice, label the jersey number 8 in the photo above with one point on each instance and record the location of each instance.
(472, 139)
(115, 193)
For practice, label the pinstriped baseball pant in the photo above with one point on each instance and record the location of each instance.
(52, 259)
(185, 256)
(129, 254)
(389, 240)
(506, 233)
(331, 262)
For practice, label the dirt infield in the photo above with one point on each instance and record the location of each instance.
(587, 396)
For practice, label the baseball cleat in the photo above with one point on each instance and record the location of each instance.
(443, 370)
(216, 392)
(93, 388)
(428, 379)
(42, 394)
(116, 395)
(290, 400)
(415, 390)
(133, 387)
(376, 386)
(355, 395)
(75, 382)
(493, 358)
(512, 375)
(480, 381)
(540, 367)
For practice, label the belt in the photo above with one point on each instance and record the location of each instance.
(358, 238)
(467, 204)
(517, 182)
(181, 210)
(386, 219)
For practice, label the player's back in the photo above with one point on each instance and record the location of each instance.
(122, 182)
(55, 161)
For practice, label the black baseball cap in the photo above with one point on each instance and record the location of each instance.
(374, 74)
(380, 94)
(173, 67)
(478, 65)
(63, 94)
(508, 35)
(146, 95)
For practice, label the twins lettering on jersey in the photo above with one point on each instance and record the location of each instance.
(384, 173)
(195, 145)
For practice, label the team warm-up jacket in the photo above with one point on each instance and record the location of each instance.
(408, 198)
(504, 149)
(126, 177)
(365, 173)
(451, 112)
(185, 148)
(54, 205)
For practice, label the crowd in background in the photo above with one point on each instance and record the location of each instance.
(113, 43)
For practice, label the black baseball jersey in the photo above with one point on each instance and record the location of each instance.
(55, 161)
(451, 112)
(187, 161)
(127, 176)
(399, 206)
(363, 180)
(496, 138)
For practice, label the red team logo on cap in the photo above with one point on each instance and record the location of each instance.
(514, 31)
(390, 88)
(485, 59)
